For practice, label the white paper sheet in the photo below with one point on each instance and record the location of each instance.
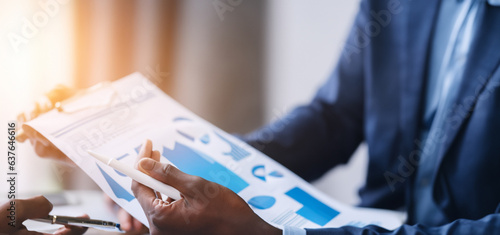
(116, 119)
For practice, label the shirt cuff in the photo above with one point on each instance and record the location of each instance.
(293, 231)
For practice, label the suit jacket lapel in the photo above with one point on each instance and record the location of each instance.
(483, 60)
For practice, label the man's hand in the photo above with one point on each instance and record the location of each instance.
(43, 147)
(33, 208)
(205, 207)
(128, 223)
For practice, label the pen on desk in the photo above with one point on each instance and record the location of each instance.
(138, 176)
(82, 222)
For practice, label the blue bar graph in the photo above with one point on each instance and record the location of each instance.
(313, 210)
(196, 163)
(118, 190)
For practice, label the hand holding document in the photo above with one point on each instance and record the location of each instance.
(114, 120)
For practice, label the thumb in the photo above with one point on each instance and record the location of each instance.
(33, 208)
(167, 174)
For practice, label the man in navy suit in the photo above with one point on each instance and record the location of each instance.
(418, 82)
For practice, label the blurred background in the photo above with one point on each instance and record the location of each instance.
(237, 63)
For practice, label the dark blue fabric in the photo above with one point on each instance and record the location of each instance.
(375, 95)
(487, 225)
(446, 64)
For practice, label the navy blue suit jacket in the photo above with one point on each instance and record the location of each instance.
(375, 95)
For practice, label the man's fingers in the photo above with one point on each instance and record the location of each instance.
(35, 112)
(73, 230)
(167, 174)
(145, 152)
(39, 137)
(25, 132)
(33, 208)
(41, 150)
(146, 149)
(21, 136)
(25, 231)
(60, 93)
(21, 133)
(21, 118)
(144, 195)
(32, 134)
(137, 226)
(125, 220)
(156, 155)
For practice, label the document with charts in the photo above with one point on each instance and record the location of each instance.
(116, 118)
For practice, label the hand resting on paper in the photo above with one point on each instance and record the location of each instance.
(205, 207)
(43, 147)
(33, 208)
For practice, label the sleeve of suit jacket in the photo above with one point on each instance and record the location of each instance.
(487, 225)
(313, 138)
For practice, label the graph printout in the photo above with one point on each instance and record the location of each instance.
(116, 119)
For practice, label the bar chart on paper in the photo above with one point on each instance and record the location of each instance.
(196, 163)
(141, 111)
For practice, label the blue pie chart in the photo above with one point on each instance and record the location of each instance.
(262, 202)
